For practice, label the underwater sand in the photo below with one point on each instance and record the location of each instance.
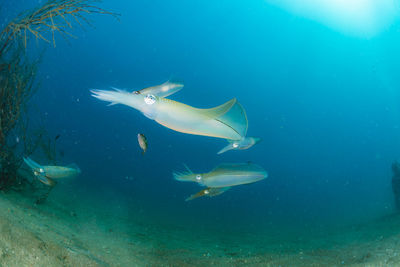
(55, 234)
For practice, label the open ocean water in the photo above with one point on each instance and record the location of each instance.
(319, 82)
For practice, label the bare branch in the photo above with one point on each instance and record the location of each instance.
(52, 17)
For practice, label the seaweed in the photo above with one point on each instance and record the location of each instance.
(18, 77)
(49, 149)
(55, 16)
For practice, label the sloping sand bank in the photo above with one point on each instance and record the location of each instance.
(54, 235)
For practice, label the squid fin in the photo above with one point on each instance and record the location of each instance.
(238, 167)
(231, 114)
(74, 166)
(220, 110)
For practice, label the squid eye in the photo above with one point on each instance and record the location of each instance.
(136, 92)
(206, 192)
(235, 145)
(198, 177)
(41, 170)
(150, 99)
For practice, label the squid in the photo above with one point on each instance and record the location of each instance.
(244, 143)
(162, 90)
(222, 178)
(48, 174)
(227, 121)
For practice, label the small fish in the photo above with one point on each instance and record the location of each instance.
(142, 142)
(57, 136)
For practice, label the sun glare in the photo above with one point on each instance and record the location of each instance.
(364, 18)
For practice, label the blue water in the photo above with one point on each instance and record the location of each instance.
(325, 104)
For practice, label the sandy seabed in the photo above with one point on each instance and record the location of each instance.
(52, 234)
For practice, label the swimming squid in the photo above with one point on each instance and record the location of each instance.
(210, 192)
(228, 121)
(46, 174)
(223, 177)
(162, 90)
(244, 143)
